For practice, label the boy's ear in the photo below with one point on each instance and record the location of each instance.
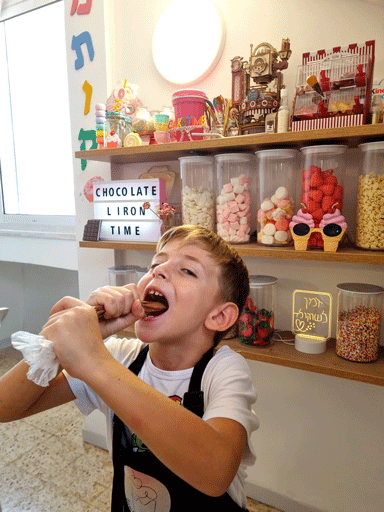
(222, 317)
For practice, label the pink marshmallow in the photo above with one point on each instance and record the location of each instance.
(232, 218)
(226, 213)
(228, 187)
(240, 198)
(234, 208)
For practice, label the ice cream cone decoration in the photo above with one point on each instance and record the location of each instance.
(301, 227)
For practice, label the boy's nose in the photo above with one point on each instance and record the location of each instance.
(161, 271)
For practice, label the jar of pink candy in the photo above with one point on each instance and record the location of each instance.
(277, 171)
(359, 310)
(233, 202)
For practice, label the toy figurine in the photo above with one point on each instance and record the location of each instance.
(256, 86)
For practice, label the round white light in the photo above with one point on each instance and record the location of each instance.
(188, 41)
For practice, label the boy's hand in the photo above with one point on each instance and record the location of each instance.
(121, 304)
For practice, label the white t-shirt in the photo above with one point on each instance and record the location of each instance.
(226, 383)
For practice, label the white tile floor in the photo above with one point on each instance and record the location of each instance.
(46, 467)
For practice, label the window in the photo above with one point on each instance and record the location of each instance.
(35, 137)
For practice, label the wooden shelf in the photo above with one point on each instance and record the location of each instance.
(343, 255)
(328, 363)
(352, 136)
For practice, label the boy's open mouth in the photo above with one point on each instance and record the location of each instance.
(156, 297)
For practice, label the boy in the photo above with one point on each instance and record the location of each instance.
(166, 457)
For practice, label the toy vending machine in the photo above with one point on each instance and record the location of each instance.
(333, 87)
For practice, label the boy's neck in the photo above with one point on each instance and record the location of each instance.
(176, 357)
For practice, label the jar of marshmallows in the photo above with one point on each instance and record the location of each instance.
(197, 191)
(277, 170)
(234, 200)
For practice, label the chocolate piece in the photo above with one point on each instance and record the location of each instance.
(92, 230)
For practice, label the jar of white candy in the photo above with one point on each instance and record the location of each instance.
(197, 191)
(233, 204)
(277, 169)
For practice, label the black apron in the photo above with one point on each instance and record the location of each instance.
(156, 488)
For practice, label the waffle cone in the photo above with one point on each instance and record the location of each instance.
(331, 243)
(301, 242)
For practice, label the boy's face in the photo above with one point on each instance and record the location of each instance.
(187, 279)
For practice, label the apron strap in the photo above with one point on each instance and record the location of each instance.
(193, 399)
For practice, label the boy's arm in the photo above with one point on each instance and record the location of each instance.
(20, 397)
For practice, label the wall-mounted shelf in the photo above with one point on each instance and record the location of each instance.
(328, 363)
(352, 136)
(343, 255)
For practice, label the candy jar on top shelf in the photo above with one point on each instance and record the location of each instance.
(197, 191)
(234, 199)
(143, 124)
(322, 187)
(277, 169)
(115, 128)
(257, 320)
(359, 309)
(370, 198)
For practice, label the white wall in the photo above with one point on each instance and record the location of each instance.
(319, 442)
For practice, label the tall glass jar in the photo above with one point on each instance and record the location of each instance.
(359, 308)
(115, 127)
(370, 198)
(197, 191)
(234, 201)
(277, 169)
(322, 184)
(257, 320)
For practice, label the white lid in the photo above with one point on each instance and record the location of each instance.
(277, 153)
(283, 93)
(196, 159)
(262, 280)
(372, 146)
(235, 157)
(334, 148)
(360, 288)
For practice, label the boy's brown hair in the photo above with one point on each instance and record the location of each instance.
(233, 278)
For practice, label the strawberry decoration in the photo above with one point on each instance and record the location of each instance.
(327, 189)
(316, 179)
(255, 326)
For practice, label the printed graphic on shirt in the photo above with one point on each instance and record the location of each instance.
(137, 444)
(144, 493)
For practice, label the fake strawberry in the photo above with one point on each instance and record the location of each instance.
(264, 315)
(316, 195)
(316, 179)
(249, 305)
(327, 203)
(328, 172)
(338, 192)
(330, 180)
(312, 240)
(263, 329)
(317, 215)
(312, 206)
(305, 185)
(327, 189)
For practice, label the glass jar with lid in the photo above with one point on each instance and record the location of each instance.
(257, 320)
(115, 127)
(277, 170)
(197, 191)
(370, 198)
(322, 184)
(359, 309)
(234, 199)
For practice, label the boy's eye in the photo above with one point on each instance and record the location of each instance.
(189, 272)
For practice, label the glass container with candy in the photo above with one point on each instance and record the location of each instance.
(322, 186)
(370, 198)
(277, 170)
(234, 199)
(257, 320)
(359, 309)
(115, 127)
(197, 191)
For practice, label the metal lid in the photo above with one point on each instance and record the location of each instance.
(262, 280)
(360, 288)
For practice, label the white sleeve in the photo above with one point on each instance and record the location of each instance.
(123, 350)
(229, 393)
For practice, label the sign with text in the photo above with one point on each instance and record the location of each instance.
(119, 205)
(311, 314)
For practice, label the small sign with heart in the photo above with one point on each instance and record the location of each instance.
(311, 314)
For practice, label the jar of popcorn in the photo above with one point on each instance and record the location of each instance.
(197, 191)
(322, 186)
(257, 320)
(359, 308)
(277, 170)
(370, 198)
(234, 202)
